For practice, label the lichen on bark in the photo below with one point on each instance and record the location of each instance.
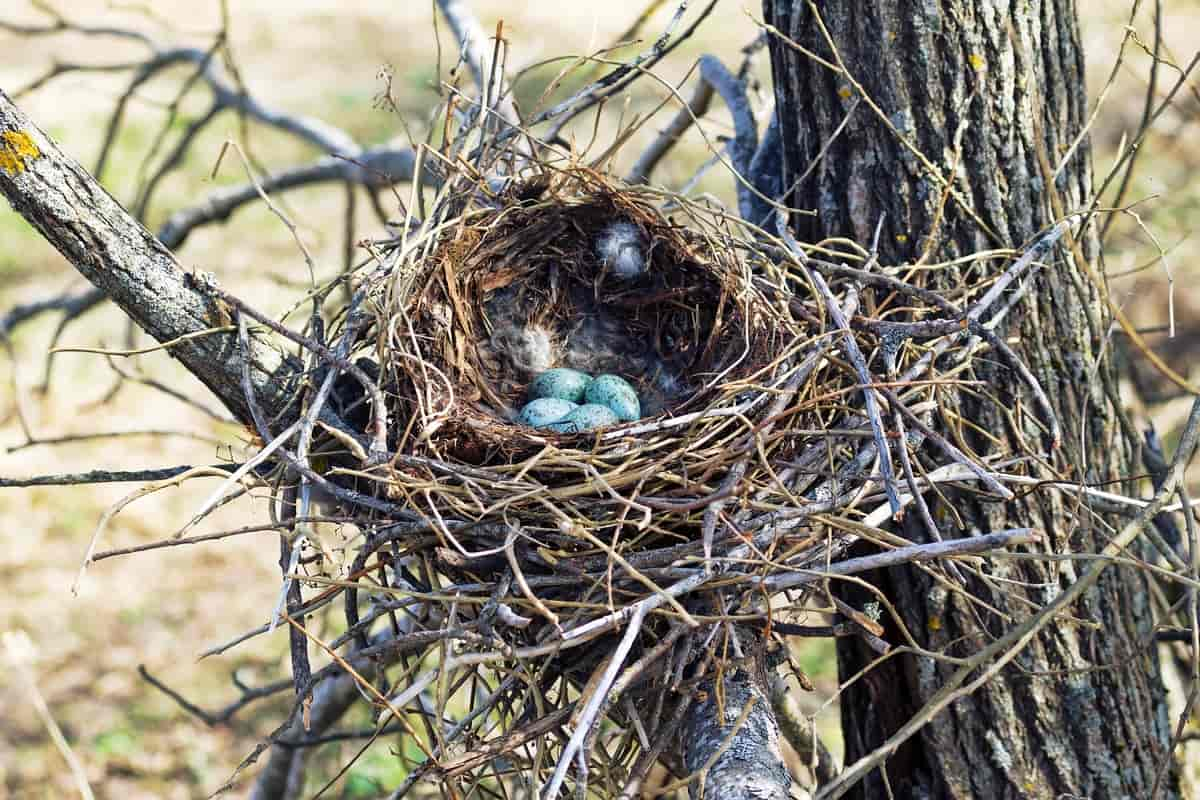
(731, 741)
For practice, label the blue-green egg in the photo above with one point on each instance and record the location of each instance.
(587, 417)
(617, 394)
(544, 411)
(562, 382)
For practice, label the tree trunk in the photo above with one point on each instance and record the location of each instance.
(996, 90)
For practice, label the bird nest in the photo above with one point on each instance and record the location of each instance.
(768, 443)
(520, 289)
(526, 284)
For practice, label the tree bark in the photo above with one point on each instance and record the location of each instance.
(731, 740)
(995, 89)
(119, 256)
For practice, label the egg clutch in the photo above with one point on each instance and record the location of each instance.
(566, 400)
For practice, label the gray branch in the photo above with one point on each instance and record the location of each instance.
(745, 129)
(732, 742)
(282, 778)
(742, 149)
(124, 261)
(697, 106)
(479, 55)
(345, 160)
(472, 40)
(765, 170)
(375, 168)
(319, 133)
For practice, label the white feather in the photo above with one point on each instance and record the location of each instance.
(621, 248)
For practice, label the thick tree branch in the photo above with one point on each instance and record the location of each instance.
(732, 741)
(124, 260)
(376, 168)
(345, 160)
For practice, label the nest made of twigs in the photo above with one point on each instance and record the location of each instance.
(763, 455)
(511, 289)
(519, 289)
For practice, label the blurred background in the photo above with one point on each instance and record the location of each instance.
(163, 608)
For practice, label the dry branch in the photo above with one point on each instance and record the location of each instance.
(124, 260)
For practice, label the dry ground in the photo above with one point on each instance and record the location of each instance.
(163, 608)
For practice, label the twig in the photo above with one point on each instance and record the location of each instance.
(696, 107)
(379, 408)
(593, 704)
(905, 555)
(949, 449)
(872, 406)
(214, 718)
(480, 57)
(108, 476)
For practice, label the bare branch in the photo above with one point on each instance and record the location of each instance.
(480, 54)
(697, 106)
(907, 555)
(732, 746)
(122, 259)
(375, 168)
(104, 476)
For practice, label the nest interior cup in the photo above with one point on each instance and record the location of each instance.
(590, 278)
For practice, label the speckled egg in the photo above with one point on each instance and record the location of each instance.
(561, 383)
(545, 410)
(587, 417)
(617, 394)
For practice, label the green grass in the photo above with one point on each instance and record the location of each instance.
(119, 742)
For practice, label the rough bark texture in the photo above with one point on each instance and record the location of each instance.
(732, 739)
(1081, 712)
(119, 256)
